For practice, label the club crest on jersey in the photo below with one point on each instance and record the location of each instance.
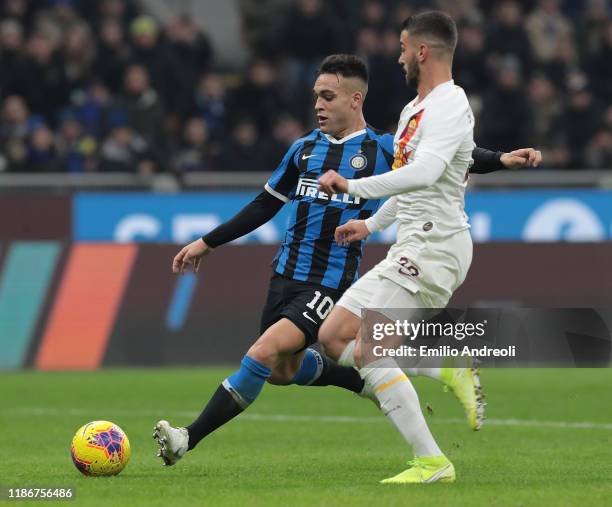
(358, 162)
(402, 154)
(309, 187)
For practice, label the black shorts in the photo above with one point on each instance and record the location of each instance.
(305, 304)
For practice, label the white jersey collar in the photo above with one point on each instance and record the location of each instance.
(344, 139)
(441, 87)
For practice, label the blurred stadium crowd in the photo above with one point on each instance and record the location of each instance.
(100, 86)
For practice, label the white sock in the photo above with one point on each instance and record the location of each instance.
(347, 358)
(400, 403)
(434, 373)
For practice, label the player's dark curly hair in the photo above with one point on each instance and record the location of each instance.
(435, 24)
(345, 65)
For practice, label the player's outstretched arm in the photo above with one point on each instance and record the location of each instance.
(256, 213)
(487, 161)
(422, 172)
(249, 218)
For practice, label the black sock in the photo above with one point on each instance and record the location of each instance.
(335, 375)
(220, 409)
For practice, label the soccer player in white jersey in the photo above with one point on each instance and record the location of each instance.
(433, 251)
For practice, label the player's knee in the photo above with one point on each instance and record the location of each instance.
(274, 348)
(264, 353)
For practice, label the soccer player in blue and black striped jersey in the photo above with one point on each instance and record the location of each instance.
(308, 252)
(311, 271)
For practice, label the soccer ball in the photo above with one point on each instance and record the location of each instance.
(100, 448)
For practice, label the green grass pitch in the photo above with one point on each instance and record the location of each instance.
(314, 446)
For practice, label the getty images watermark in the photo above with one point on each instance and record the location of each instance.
(459, 331)
(495, 337)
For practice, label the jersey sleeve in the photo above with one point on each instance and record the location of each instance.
(421, 172)
(486, 161)
(283, 181)
(384, 217)
(254, 214)
(444, 131)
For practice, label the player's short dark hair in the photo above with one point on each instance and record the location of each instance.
(435, 24)
(345, 65)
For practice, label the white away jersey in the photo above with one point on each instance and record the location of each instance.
(442, 125)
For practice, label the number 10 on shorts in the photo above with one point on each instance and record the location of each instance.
(324, 307)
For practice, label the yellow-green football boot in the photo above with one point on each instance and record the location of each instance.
(425, 470)
(465, 385)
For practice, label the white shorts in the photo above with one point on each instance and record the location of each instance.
(429, 270)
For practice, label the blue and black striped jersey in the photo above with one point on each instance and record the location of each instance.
(308, 252)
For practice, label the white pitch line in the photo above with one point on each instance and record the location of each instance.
(33, 411)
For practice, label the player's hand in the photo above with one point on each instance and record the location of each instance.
(353, 230)
(332, 183)
(190, 255)
(524, 157)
